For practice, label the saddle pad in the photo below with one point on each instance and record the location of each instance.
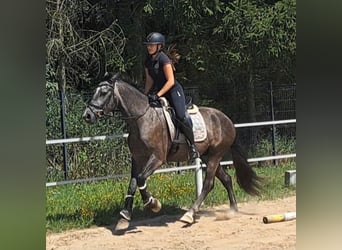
(193, 110)
(198, 127)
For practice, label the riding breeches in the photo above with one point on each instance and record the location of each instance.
(176, 98)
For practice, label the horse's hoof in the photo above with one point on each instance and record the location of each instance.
(121, 227)
(155, 205)
(233, 210)
(125, 214)
(187, 218)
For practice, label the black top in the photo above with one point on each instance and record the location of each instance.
(155, 69)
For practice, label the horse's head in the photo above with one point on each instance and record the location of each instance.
(104, 101)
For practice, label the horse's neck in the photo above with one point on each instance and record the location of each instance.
(132, 102)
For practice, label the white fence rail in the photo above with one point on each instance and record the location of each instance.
(85, 139)
(198, 167)
(104, 137)
(165, 170)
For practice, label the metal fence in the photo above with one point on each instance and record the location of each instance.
(273, 103)
(197, 167)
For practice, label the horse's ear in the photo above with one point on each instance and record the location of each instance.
(107, 76)
(110, 77)
(115, 76)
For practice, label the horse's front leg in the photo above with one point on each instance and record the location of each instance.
(152, 164)
(126, 213)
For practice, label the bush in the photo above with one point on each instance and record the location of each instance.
(90, 159)
(283, 145)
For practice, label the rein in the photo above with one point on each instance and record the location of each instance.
(135, 117)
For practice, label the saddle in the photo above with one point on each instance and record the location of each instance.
(198, 125)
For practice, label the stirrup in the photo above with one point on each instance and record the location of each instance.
(194, 154)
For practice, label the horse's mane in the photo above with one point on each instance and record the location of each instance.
(123, 79)
(112, 77)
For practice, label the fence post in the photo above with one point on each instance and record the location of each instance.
(198, 176)
(273, 126)
(65, 161)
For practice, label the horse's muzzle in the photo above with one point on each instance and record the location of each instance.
(89, 116)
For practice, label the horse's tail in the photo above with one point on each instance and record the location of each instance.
(246, 177)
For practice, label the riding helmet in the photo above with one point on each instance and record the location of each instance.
(155, 38)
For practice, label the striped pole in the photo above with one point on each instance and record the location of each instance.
(279, 217)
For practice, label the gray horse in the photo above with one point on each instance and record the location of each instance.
(149, 143)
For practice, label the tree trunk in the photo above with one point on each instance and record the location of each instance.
(251, 99)
(61, 77)
(61, 85)
(251, 111)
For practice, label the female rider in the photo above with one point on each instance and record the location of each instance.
(160, 75)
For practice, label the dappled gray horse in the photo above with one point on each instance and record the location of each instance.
(150, 144)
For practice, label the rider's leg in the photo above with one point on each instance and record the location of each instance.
(186, 127)
(177, 100)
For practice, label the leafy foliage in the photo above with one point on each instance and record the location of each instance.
(226, 48)
(283, 144)
(99, 158)
(85, 37)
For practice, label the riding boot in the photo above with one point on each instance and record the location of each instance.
(186, 128)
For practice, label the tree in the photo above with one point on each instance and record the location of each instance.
(79, 37)
(231, 44)
(73, 51)
(260, 43)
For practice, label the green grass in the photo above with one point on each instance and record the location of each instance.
(84, 205)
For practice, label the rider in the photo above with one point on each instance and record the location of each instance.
(159, 74)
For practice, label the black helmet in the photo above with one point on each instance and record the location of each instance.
(155, 38)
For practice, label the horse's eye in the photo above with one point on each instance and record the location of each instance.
(103, 92)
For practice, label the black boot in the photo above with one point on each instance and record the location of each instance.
(193, 152)
(186, 128)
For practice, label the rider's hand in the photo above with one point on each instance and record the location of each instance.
(153, 98)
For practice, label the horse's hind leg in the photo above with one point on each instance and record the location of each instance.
(208, 185)
(227, 183)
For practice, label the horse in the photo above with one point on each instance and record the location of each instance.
(149, 144)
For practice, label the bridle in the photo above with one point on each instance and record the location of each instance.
(98, 111)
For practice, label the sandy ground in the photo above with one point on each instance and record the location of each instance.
(214, 228)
